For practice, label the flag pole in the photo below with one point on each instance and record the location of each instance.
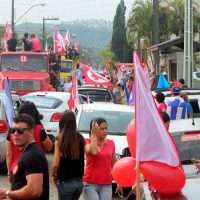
(137, 180)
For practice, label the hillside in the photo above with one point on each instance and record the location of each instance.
(90, 33)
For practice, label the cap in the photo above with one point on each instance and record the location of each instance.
(176, 90)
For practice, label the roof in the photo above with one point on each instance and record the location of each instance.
(49, 93)
(107, 107)
(174, 45)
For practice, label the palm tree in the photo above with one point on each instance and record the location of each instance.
(140, 22)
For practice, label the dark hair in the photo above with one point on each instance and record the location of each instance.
(70, 142)
(160, 97)
(25, 35)
(30, 109)
(182, 81)
(165, 117)
(25, 118)
(99, 121)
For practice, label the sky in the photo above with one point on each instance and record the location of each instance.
(65, 10)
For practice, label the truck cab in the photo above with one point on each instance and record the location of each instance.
(26, 71)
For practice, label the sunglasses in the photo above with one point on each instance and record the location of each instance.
(18, 130)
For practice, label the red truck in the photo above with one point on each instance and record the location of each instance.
(26, 71)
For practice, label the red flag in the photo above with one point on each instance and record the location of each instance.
(74, 93)
(153, 142)
(92, 77)
(67, 39)
(7, 34)
(59, 43)
(76, 45)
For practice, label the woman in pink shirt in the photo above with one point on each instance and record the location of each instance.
(100, 157)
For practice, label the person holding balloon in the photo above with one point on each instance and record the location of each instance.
(100, 158)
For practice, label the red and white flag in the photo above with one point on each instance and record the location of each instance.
(153, 142)
(7, 34)
(59, 43)
(73, 99)
(67, 39)
(92, 77)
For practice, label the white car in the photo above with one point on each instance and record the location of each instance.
(50, 105)
(117, 116)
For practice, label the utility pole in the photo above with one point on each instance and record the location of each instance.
(188, 43)
(43, 28)
(156, 34)
(13, 15)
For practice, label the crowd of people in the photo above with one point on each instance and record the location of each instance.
(28, 42)
(28, 170)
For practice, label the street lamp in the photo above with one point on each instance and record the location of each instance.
(156, 33)
(13, 22)
(43, 28)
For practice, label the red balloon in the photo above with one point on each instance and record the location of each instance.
(124, 172)
(163, 178)
(131, 138)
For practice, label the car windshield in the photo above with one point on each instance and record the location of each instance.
(187, 145)
(198, 74)
(44, 101)
(24, 63)
(66, 66)
(117, 120)
(97, 95)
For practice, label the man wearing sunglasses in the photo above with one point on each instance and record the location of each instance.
(30, 178)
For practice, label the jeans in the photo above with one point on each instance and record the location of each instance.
(70, 189)
(97, 192)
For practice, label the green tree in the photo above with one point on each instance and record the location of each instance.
(106, 55)
(1, 34)
(171, 20)
(140, 23)
(119, 45)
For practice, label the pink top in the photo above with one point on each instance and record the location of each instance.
(36, 44)
(162, 107)
(98, 167)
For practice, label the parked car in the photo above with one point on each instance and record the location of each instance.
(51, 105)
(196, 75)
(4, 128)
(117, 116)
(96, 94)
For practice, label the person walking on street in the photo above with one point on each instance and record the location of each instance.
(100, 158)
(40, 136)
(68, 159)
(30, 178)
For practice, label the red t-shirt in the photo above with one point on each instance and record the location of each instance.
(98, 167)
(162, 107)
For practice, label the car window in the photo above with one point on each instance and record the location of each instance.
(117, 120)
(44, 101)
(97, 95)
(66, 66)
(187, 145)
(24, 63)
